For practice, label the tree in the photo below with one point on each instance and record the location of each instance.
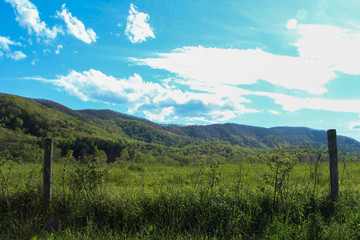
(124, 156)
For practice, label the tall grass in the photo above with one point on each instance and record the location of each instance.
(210, 200)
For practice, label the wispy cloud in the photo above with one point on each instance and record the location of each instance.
(337, 48)
(154, 100)
(293, 104)
(5, 44)
(215, 79)
(355, 125)
(159, 115)
(274, 112)
(17, 55)
(75, 27)
(137, 28)
(58, 47)
(237, 66)
(28, 17)
(34, 61)
(323, 51)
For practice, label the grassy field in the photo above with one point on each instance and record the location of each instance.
(207, 200)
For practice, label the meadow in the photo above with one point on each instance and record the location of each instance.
(208, 199)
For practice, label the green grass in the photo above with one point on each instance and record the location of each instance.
(154, 201)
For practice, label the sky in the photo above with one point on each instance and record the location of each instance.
(260, 63)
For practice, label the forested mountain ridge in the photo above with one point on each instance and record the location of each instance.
(31, 120)
(242, 135)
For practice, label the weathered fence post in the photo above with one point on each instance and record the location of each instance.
(48, 155)
(333, 158)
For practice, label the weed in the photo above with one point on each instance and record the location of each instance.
(280, 164)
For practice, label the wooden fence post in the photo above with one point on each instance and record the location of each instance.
(48, 155)
(333, 158)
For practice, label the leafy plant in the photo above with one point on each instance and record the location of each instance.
(280, 163)
(89, 174)
(6, 165)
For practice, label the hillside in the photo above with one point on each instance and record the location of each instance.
(24, 120)
(259, 137)
(242, 135)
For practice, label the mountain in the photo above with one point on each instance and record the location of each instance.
(24, 120)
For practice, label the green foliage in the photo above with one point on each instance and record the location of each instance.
(168, 182)
(280, 164)
(167, 202)
(6, 165)
(26, 122)
(88, 175)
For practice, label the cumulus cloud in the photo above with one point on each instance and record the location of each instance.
(28, 17)
(75, 27)
(154, 100)
(237, 66)
(137, 28)
(292, 24)
(5, 44)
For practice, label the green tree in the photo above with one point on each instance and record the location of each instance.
(16, 123)
(124, 156)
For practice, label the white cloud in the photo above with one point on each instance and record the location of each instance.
(323, 51)
(46, 51)
(235, 66)
(155, 100)
(5, 44)
(17, 55)
(137, 28)
(335, 47)
(34, 61)
(355, 125)
(75, 27)
(292, 24)
(58, 47)
(28, 17)
(293, 104)
(160, 115)
(223, 116)
(274, 112)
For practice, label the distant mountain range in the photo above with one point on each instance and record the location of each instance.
(23, 118)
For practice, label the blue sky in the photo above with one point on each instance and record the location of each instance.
(262, 63)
